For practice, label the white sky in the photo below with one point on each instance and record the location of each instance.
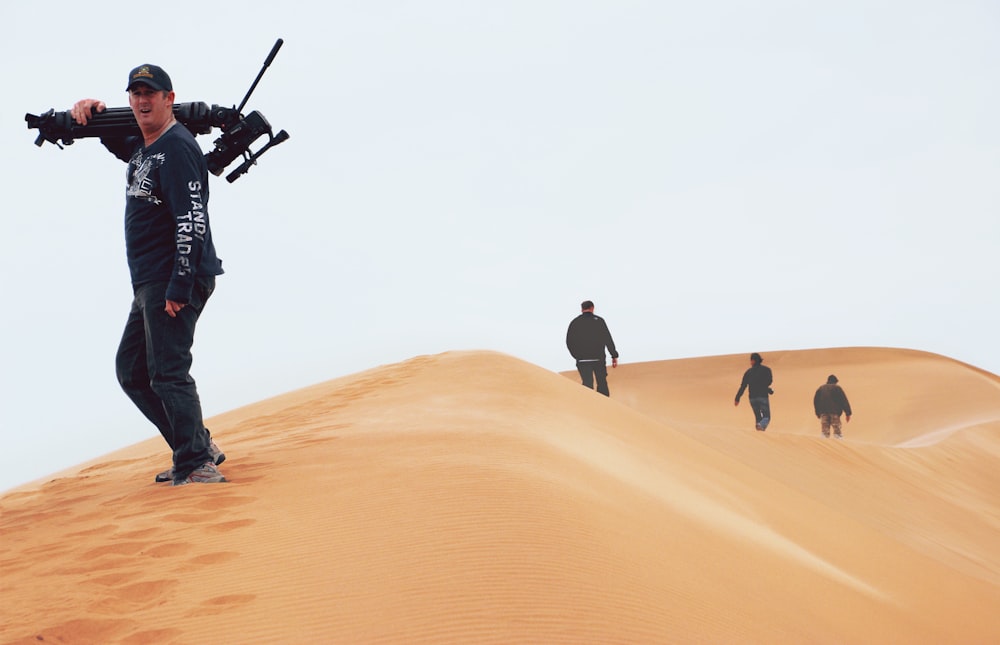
(719, 177)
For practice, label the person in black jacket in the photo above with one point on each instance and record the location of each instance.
(830, 402)
(586, 339)
(758, 378)
(173, 265)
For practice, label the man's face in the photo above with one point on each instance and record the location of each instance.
(153, 109)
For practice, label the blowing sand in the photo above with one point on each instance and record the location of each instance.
(471, 497)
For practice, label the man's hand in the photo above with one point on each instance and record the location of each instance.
(173, 307)
(81, 110)
(736, 402)
(614, 362)
(848, 418)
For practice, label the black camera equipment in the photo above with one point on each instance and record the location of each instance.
(238, 132)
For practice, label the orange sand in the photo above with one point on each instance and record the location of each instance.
(471, 497)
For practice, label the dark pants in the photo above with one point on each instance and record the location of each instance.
(761, 411)
(590, 369)
(153, 366)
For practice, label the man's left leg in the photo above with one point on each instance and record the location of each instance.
(765, 413)
(761, 412)
(601, 373)
(169, 340)
(835, 425)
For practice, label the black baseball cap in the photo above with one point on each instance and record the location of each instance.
(151, 75)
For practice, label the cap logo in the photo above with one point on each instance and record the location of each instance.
(142, 72)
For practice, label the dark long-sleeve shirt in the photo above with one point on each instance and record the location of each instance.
(587, 337)
(167, 233)
(758, 379)
(831, 399)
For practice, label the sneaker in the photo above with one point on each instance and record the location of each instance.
(838, 436)
(213, 450)
(217, 455)
(757, 427)
(207, 473)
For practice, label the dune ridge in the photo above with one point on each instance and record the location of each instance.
(474, 497)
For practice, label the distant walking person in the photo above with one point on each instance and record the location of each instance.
(586, 339)
(758, 379)
(830, 402)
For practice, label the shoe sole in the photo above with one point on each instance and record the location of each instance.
(213, 480)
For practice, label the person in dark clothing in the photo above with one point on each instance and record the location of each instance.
(830, 402)
(173, 265)
(586, 339)
(758, 378)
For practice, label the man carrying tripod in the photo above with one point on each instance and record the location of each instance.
(173, 265)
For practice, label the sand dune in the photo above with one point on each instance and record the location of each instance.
(473, 497)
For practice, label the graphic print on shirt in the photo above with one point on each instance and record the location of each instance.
(190, 226)
(139, 185)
